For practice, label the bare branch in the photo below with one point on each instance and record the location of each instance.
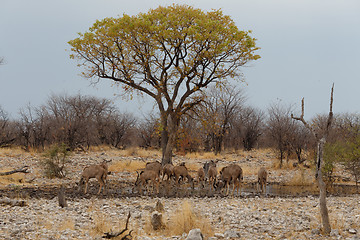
(330, 118)
(110, 235)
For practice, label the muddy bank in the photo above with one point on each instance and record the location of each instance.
(125, 189)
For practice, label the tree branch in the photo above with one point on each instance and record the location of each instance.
(23, 169)
(110, 235)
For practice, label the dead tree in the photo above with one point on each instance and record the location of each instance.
(321, 140)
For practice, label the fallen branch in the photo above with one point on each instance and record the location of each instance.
(113, 235)
(12, 202)
(23, 169)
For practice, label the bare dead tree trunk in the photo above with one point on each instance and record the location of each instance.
(322, 187)
(62, 198)
(320, 142)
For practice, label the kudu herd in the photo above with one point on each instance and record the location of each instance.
(155, 173)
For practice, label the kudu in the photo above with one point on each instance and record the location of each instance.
(180, 173)
(212, 173)
(144, 177)
(262, 178)
(168, 171)
(207, 166)
(98, 171)
(201, 176)
(155, 166)
(232, 173)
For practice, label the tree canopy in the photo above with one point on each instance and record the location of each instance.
(169, 53)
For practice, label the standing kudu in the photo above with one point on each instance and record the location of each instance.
(98, 171)
(232, 173)
(201, 177)
(262, 178)
(212, 173)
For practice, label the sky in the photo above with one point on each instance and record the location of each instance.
(306, 46)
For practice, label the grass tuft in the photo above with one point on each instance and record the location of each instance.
(186, 219)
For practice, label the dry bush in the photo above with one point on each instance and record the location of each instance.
(186, 219)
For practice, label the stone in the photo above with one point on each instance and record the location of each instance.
(352, 231)
(156, 221)
(219, 235)
(195, 234)
(315, 231)
(159, 206)
(230, 234)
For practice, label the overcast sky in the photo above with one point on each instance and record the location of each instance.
(306, 45)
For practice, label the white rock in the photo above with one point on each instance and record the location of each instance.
(195, 234)
(352, 231)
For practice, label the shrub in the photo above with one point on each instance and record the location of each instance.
(55, 160)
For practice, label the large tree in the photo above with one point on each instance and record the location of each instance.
(169, 53)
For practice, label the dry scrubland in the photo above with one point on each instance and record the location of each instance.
(245, 217)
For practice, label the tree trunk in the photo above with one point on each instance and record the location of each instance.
(172, 126)
(164, 135)
(322, 186)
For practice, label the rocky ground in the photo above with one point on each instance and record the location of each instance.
(248, 216)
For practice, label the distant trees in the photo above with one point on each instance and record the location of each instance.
(7, 133)
(217, 114)
(287, 135)
(249, 125)
(148, 132)
(280, 127)
(77, 121)
(344, 147)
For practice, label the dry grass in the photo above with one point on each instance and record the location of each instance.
(101, 224)
(15, 178)
(186, 219)
(201, 155)
(128, 165)
(140, 152)
(15, 152)
(182, 221)
(302, 177)
(67, 223)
